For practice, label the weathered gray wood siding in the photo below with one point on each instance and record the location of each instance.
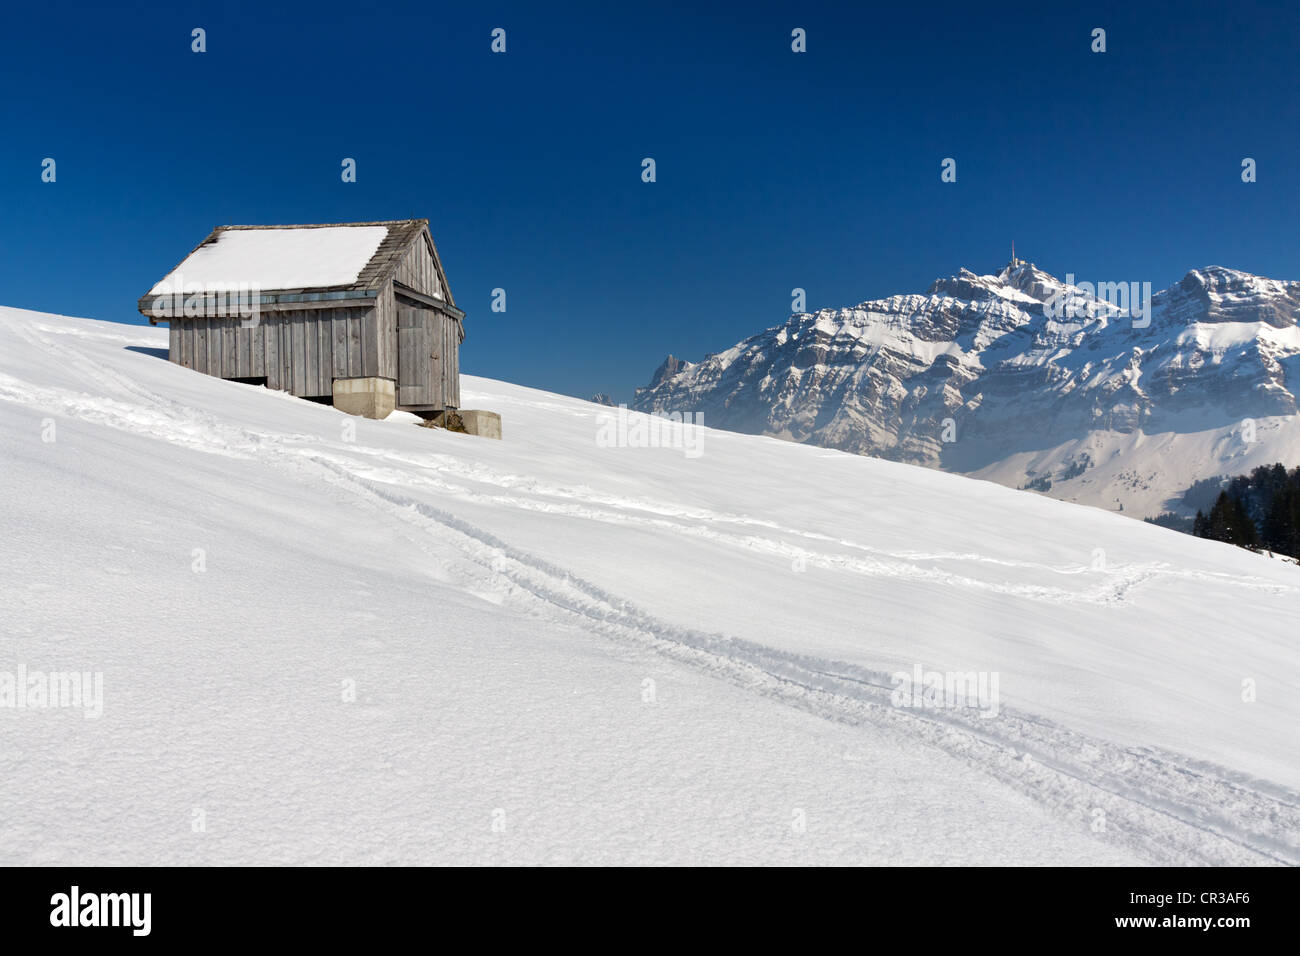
(386, 331)
(300, 352)
(451, 366)
(420, 357)
(417, 270)
(438, 357)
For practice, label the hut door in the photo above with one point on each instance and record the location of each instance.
(413, 354)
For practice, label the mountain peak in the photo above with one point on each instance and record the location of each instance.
(1017, 276)
(1220, 294)
(667, 369)
(1221, 276)
(990, 359)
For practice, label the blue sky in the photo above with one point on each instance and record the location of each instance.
(775, 170)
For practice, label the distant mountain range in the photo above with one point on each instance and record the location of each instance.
(1077, 391)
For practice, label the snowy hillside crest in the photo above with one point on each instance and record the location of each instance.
(484, 626)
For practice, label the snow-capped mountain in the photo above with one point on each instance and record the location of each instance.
(1098, 394)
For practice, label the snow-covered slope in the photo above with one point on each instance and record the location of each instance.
(984, 375)
(565, 649)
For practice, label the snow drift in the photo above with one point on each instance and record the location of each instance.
(331, 640)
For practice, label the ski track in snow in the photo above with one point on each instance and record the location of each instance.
(1163, 806)
(1152, 801)
(167, 420)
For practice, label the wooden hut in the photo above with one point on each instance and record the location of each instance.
(358, 314)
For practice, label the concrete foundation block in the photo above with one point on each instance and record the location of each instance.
(367, 397)
(481, 423)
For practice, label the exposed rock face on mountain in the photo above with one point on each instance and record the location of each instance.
(667, 369)
(601, 398)
(1090, 394)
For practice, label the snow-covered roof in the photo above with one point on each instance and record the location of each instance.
(297, 258)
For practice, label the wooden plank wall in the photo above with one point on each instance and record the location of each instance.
(435, 321)
(385, 332)
(419, 343)
(417, 270)
(300, 352)
(303, 351)
(428, 343)
(451, 364)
